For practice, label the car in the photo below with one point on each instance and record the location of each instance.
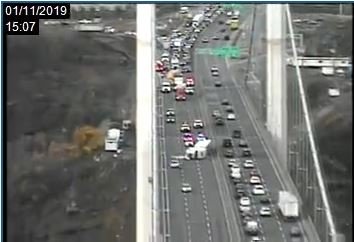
(243, 143)
(216, 37)
(189, 90)
(228, 22)
(219, 121)
(295, 231)
(254, 172)
(221, 22)
(235, 174)
(255, 180)
(186, 187)
(205, 40)
(188, 142)
(229, 109)
(233, 163)
(225, 102)
(170, 112)
(214, 68)
(248, 164)
(265, 200)
(239, 193)
(215, 74)
(229, 14)
(227, 143)
(185, 128)
(198, 124)
(197, 30)
(201, 137)
(190, 81)
(226, 37)
(217, 83)
(258, 190)
(246, 152)
(265, 212)
(231, 116)
(174, 164)
(166, 87)
(216, 113)
(245, 208)
(246, 219)
(256, 239)
(236, 134)
(229, 153)
(245, 201)
(222, 30)
(182, 63)
(170, 120)
(186, 69)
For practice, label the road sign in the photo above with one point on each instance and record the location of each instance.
(226, 51)
(232, 6)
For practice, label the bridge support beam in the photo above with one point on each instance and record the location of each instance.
(146, 179)
(276, 79)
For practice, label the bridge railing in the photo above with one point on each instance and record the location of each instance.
(303, 159)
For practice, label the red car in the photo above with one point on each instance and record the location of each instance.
(160, 67)
(190, 82)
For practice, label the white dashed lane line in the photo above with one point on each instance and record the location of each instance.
(205, 204)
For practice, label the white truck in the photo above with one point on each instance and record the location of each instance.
(197, 20)
(199, 151)
(288, 205)
(112, 140)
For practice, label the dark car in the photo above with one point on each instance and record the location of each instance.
(219, 121)
(227, 143)
(236, 134)
(222, 30)
(229, 153)
(246, 152)
(229, 109)
(242, 143)
(265, 200)
(226, 37)
(225, 102)
(239, 193)
(221, 22)
(218, 83)
(295, 231)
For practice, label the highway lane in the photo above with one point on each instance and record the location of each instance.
(278, 230)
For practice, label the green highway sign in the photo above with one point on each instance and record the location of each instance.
(232, 6)
(227, 51)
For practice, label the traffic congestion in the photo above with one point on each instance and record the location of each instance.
(175, 69)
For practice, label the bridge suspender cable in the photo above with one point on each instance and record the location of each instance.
(310, 133)
(250, 52)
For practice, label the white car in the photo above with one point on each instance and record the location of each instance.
(215, 73)
(229, 14)
(245, 201)
(170, 112)
(201, 137)
(248, 164)
(185, 127)
(255, 180)
(258, 190)
(333, 92)
(235, 174)
(245, 208)
(233, 163)
(189, 90)
(197, 30)
(186, 187)
(231, 116)
(174, 164)
(265, 211)
(166, 87)
(214, 68)
(198, 124)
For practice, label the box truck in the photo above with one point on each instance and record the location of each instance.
(288, 205)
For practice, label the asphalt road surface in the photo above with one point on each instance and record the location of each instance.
(274, 228)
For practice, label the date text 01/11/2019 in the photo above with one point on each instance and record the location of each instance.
(40, 11)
